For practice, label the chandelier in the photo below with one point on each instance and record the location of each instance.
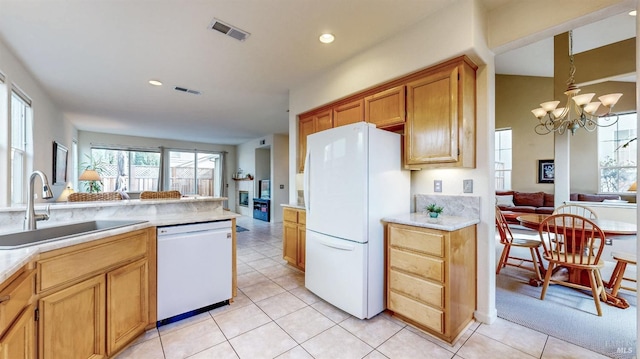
(585, 113)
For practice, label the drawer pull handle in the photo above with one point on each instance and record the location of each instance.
(5, 298)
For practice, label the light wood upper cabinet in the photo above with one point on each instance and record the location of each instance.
(310, 124)
(386, 108)
(323, 120)
(440, 128)
(306, 127)
(351, 112)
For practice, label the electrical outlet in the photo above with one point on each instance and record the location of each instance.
(281, 186)
(467, 186)
(437, 185)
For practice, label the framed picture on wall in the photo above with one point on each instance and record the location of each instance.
(546, 171)
(59, 163)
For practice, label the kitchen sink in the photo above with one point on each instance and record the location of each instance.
(49, 234)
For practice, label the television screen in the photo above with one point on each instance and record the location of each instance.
(265, 189)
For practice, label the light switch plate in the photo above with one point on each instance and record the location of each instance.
(467, 186)
(281, 186)
(437, 185)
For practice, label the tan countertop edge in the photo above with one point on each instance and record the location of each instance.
(13, 259)
(293, 205)
(443, 223)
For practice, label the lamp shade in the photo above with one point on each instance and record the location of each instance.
(65, 193)
(89, 175)
(633, 187)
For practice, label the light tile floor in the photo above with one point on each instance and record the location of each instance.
(274, 316)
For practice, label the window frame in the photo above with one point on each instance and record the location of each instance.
(17, 181)
(631, 153)
(131, 151)
(499, 149)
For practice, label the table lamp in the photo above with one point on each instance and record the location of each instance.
(65, 193)
(91, 176)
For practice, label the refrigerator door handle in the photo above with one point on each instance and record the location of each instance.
(343, 247)
(307, 179)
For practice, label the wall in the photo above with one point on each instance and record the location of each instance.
(86, 138)
(48, 122)
(419, 46)
(463, 27)
(249, 161)
(516, 96)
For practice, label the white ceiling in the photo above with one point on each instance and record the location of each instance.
(94, 58)
(537, 59)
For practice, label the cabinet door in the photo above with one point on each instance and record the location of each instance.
(302, 236)
(72, 321)
(305, 128)
(432, 118)
(127, 304)
(323, 120)
(290, 245)
(386, 108)
(351, 112)
(19, 341)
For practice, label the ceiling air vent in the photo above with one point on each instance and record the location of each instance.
(182, 89)
(228, 30)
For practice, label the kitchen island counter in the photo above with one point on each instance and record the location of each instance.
(443, 222)
(153, 212)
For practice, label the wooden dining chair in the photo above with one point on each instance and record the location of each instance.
(507, 239)
(577, 209)
(618, 275)
(581, 249)
(160, 195)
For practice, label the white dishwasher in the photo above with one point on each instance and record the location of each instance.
(194, 269)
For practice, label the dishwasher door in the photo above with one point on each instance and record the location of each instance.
(194, 267)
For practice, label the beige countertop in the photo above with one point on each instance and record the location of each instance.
(13, 259)
(443, 223)
(293, 205)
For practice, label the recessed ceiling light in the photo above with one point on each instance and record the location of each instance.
(327, 38)
(633, 12)
(155, 82)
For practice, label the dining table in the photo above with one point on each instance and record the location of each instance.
(612, 229)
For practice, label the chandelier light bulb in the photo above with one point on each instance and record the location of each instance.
(592, 107)
(550, 105)
(539, 112)
(583, 114)
(610, 100)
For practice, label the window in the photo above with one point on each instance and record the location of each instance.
(503, 159)
(195, 172)
(617, 154)
(126, 169)
(20, 145)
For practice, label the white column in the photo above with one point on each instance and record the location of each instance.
(561, 161)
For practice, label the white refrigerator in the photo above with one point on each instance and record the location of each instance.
(353, 178)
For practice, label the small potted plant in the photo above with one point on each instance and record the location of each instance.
(434, 210)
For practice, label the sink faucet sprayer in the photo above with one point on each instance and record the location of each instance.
(31, 217)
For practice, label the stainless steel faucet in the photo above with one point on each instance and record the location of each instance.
(30, 217)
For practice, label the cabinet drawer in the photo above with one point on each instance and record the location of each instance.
(429, 242)
(302, 217)
(67, 267)
(425, 291)
(290, 215)
(420, 313)
(15, 297)
(426, 267)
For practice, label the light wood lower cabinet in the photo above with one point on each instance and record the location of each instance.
(431, 278)
(94, 298)
(294, 237)
(72, 321)
(19, 342)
